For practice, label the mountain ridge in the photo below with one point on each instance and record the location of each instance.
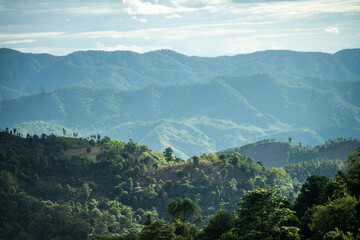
(31, 73)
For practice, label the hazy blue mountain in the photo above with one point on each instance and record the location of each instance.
(198, 117)
(32, 73)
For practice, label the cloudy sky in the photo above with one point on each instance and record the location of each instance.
(192, 27)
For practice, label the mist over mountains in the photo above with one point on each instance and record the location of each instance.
(191, 104)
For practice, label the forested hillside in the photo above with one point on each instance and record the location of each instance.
(195, 118)
(274, 153)
(70, 188)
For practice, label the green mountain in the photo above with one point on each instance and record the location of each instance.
(191, 104)
(32, 73)
(193, 118)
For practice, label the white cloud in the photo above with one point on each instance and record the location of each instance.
(133, 48)
(5, 36)
(198, 3)
(50, 50)
(173, 16)
(94, 10)
(333, 30)
(175, 33)
(111, 34)
(103, 8)
(142, 20)
(147, 8)
(118, 47)
(18, 41)
(299, 8)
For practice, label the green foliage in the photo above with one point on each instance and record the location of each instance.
(168, 154)
(338, 235)
(157, 230)
(220, 223)
(264, 214)
(196, 160)
(342, 213)
(352, 167)
(184, 210)
(321, 167)
(316, 191)
(229, 236)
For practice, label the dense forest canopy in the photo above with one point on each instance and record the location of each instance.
(72, 188)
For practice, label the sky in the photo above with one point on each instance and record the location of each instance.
(192, 27)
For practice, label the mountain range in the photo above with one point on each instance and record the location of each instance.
(191, 104)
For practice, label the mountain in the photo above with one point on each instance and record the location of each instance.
(194, 118)
(192, 104)
(32, 73)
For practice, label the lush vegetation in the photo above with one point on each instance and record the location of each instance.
(72, 188)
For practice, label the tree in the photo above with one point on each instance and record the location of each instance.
(219, 224)
(148, 220)
(78, 228)
(196, 160)
(168, 154)
(229, 236)
(311, 194)
(184, 210)
(156, 229)
(290, 139)
(352, 175)
(338, 235)
(264, 214)
(342, 213)
(184, 231)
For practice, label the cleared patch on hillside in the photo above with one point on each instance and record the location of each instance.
(339, 151)
(83, 152)
(271, 154)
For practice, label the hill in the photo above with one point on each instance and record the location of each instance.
(74, 187)
(71, 188)
(277, 153)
